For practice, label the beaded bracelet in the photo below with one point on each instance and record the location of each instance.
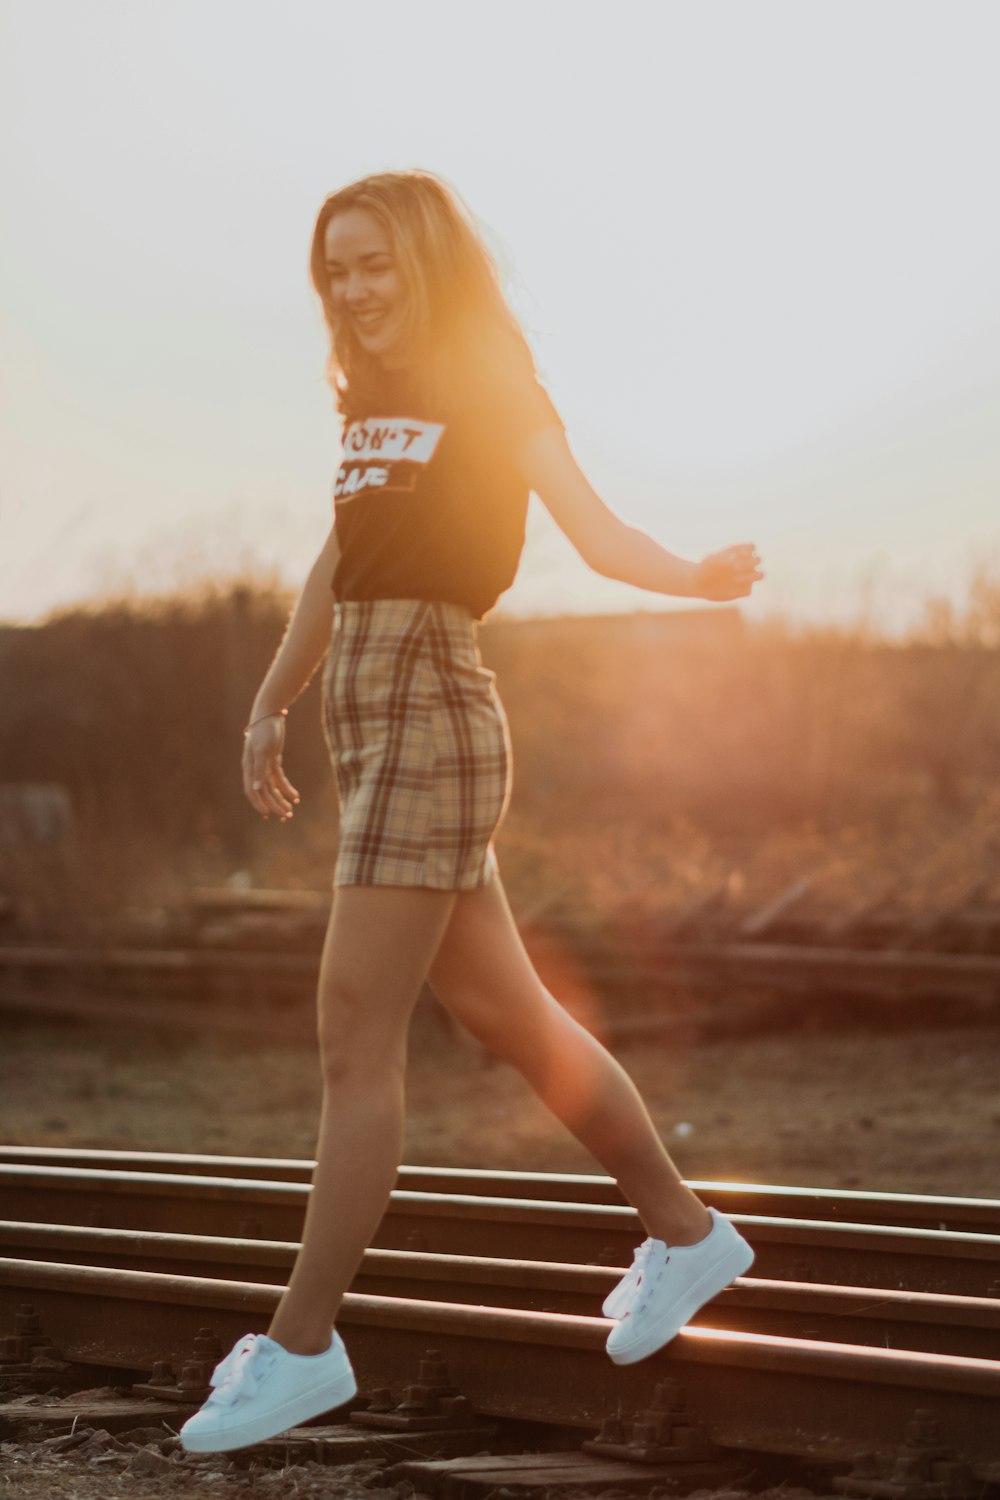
(279, 713)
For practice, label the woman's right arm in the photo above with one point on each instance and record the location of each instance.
(616, 549)
(303, 647)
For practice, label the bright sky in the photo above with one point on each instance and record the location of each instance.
(755, 247)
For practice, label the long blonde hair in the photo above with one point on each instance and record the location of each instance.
(467, 340)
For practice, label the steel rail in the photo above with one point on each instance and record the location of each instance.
(199, 961)
(764, 958)
(967, 1326)
(892, 973)
(788, 1249)
(752, 1391)
(889, 974)
(255, 1015)
(911, 1210)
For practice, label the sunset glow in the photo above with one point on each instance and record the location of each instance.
(751, 246)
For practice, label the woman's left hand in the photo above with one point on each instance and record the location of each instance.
(729, 574)
(267, 788)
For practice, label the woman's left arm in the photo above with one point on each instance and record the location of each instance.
(610, 545)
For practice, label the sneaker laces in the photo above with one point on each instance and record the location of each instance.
(238, 1375)
(635, 1301)
(628, 1288)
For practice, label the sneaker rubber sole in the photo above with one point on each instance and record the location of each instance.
(738, 1258)
(257, 1430)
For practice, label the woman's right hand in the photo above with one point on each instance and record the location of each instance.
(267, 788)
(729, 574)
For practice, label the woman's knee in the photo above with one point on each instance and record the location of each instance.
(362, 1035)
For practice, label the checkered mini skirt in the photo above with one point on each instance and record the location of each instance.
(419, 742)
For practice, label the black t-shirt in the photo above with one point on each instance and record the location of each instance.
(430, 504)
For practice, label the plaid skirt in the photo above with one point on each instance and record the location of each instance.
(419, 742)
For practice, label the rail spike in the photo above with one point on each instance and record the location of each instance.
(430, 1404)
(29, 1360)
(923, 1467)
(665, 1432)
(193, 1383)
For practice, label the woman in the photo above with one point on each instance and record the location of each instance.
(446, 430)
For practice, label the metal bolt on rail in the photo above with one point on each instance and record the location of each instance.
(28, 1357)
(196, 1372)
(381, 1400)
(431, 1403)
(27, 1331)
(665, 1432)
(162, 1383)
(612, 1436)
(923, 1467)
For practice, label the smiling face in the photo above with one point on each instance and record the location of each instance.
(365, 285)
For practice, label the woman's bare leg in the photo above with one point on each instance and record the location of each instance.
(379, 944)
(482, 974)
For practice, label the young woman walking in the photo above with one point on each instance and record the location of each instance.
(446, 430)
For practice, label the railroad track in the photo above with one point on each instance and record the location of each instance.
(863, 1308)
(720, 987)
(913, 1210)
(248, 962)
(454, 1223)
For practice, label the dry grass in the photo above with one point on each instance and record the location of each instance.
(656, 756)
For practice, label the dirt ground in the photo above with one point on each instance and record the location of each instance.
(906, 1112)
(110, 1470)
(105, 1468)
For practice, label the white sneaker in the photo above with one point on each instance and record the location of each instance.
(674, 1282)
(261, 1389)
(620, 1296)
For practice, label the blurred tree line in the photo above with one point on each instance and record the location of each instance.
(137, 709)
